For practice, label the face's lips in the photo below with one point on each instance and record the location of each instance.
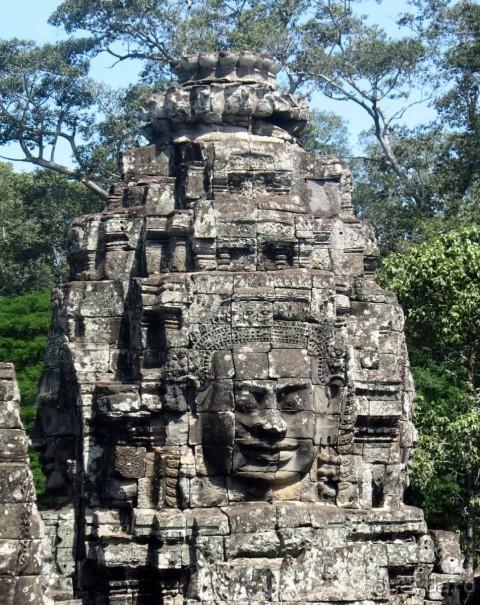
(275, 447)
(268, 453)
(285, 456)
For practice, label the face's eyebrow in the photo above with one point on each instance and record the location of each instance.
(305, 384)
(254, 385)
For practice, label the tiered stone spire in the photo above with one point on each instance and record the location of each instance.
(226, 406)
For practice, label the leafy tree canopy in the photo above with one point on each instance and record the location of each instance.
(437, 284)
(24, 323)
(326, 133)
(35, 216)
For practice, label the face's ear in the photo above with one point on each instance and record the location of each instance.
(203, 395)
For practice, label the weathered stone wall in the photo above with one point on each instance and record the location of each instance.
(24, 549)
(225, 412)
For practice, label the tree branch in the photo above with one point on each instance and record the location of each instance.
(96, 189)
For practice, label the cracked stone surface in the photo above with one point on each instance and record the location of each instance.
(225, 412)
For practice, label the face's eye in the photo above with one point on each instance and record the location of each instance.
(245, 401)
(292, 401)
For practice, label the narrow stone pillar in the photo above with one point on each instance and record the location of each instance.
(24, 549)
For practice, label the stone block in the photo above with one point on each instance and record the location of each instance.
(251, 365)
(208, 492)
(377, 453)
(177, 429)
(257, 544)
(402, 553)
(194, 431)
(173, 398)
(326, 429)
(117, 556)
(12, 524)
(36, 554)
(348, 573)
(426, 550)
(160, 198)
(324, 197)
(285, 363)
(29, 589)
(9, 399)
(108, 524)
(65, 560)
(438, 585)
(134, 196)
(252, 314)
(169, 557)
(8, 557)
(7, 589)
(65, 531)
(142, 522)
(121, 490)
(447, 549)
(218, 397)
(209, 522)
(218, 428)
(170, 525)
(128, 462)
(151, 160)
(250, 518)
(14, 479)
(211, 547)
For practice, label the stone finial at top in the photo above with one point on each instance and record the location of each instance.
(226, 89)
(227, 67)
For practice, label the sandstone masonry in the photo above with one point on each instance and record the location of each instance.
(24, 549)
(225, 413)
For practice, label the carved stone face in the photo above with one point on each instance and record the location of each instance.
(260, 425)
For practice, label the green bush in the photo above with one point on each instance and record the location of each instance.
(24, 324)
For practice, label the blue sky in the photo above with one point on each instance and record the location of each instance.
(28, 19)
(14, 24)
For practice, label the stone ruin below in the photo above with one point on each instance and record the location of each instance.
(24, 547)
(225, 412)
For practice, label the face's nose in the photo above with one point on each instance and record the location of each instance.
(270, 421)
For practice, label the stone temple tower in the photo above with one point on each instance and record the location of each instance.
(225, 414)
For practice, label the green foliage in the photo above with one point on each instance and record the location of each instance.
(118, 128)
(44, 93)
(159, 32)
(401, 209)
(437, 186)
(36, 213)
(446, 460)
(441, 396)
(437, 285)
(44, 500)
(326, 133)
(24, 323)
